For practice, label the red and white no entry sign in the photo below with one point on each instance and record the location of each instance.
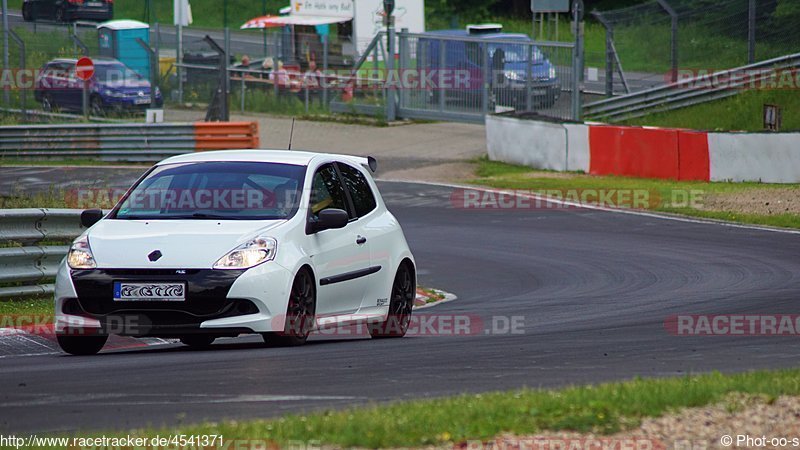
(84, 69)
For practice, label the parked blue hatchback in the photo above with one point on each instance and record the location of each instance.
(114, 88)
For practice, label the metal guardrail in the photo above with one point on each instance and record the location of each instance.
(687, 92)
(25, 264)
(125, 141)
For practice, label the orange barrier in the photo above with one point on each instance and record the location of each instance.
(226, 135)
(635, 152)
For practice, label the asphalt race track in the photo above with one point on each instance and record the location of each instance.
(593, 288)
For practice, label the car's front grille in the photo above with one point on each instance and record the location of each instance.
(206, 290)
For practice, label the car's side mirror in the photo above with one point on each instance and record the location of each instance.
(330, 219)
(90, 217)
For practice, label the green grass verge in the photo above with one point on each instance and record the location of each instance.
(29, 306)
(742, 112)
(669, 192)
(52, 199)
(604, 408)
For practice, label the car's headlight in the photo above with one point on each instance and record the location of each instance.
(514, 75)
(249, 254)
(552, 73)
(80, 255)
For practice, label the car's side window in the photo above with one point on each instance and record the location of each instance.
(360, 191)
(327, 191)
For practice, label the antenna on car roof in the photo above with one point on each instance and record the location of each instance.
(291, 135)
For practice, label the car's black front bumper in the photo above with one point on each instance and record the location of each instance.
(206, 299)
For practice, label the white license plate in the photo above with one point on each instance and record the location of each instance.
(141, 101)
(94, 4)
(149, 292)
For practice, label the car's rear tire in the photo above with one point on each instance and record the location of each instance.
(300, 312)
(404, 291)
(198, 340)
(47, 102)
(61, 14)
(27, 13)
(96, 107)
(81, 345)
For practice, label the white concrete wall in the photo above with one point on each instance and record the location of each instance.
(766, 157)
(541, 145)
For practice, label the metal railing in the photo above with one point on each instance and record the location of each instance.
(125, 141)
(33, 245)
(689, 92)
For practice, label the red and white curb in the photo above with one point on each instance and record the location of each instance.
(41, 340)
(425, 300)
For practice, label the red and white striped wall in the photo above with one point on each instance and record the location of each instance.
(645, 152)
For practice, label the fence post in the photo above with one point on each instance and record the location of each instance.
(529, 79)
(157, 47)
(325, 80)
(153, 68)
(610, 57)
(24, 93)
(226, 64)
(488, 83)
(751, 33)
(179, 60)
(577, 60)
(391, 113)
(441, 71)
(6, 94)
(79, 43)
(404, 63)
(674, 41)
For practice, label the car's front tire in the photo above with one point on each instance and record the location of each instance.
(300, 313)
(404, 291)
(81, 345)
(198, 340)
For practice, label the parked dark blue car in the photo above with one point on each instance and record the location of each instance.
(506, 59)
(68, 10)
(114, 87)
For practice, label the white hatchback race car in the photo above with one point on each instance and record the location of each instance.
(219, 244)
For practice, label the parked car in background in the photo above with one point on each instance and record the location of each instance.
(482, 51)
(114, 88)
(68, 10)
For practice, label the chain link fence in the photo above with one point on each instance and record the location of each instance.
(433, 76)
(652, 42)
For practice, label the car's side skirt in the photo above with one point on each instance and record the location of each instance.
(349, 276)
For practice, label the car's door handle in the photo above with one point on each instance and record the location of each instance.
(361, 240)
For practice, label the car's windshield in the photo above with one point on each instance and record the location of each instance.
(110, 73)
(216, 190)
(517, 53)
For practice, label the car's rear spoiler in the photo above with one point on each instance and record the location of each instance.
(367, 161)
